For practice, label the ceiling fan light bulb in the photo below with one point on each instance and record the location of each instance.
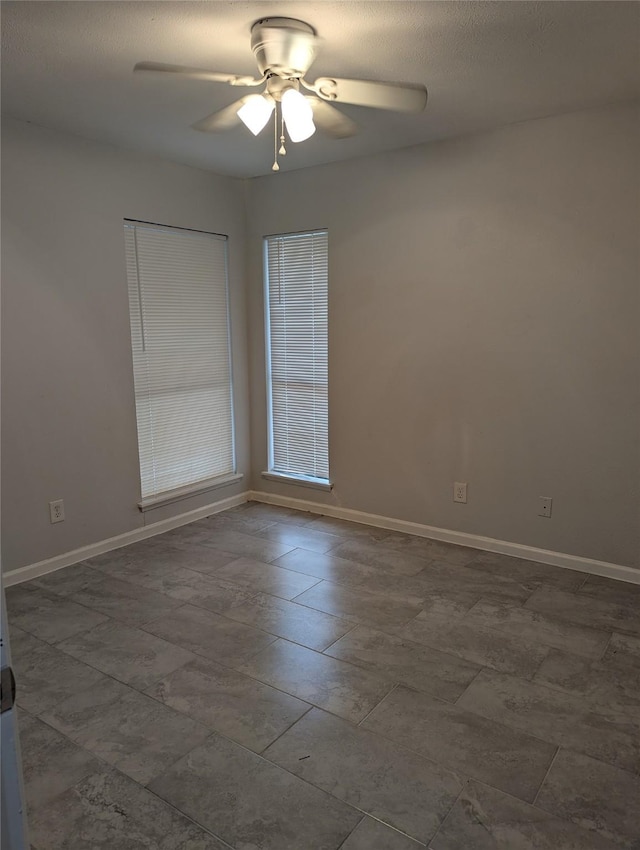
(255, 112)
(298, 116)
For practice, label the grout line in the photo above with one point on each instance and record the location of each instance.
(289, 727)
(481, 670)
(464, 784)
(604, 651)
(393, 687)
(342, 843)
(582, 584)
(532, 678)
(325, 651)
(555, 755)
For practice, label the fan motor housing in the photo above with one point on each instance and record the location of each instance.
(283, 46)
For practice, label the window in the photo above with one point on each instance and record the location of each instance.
(296, 320)
(181, 358)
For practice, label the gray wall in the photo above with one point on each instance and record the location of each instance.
(484, 327)
(68, 416)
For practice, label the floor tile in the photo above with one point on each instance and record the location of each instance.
(137, 570)
(449, 602)
(191, 533)
(178, 544)
(47, 616)
(486, 819)
(124, 553)
(253, 804)
(272, 513)
(50, 762)
(433, 550)
(237, 706)
(47, 676)
(211, 635)
(605, 684)
(201, 589)
(340, 688)
(127, 729)
(172, 561)
(329, 566)
(350, 530)
(373, 775)
(623, 649)
(108, 811)
(125, 602)
(239, 591)
(611, 590)
(370, 834)
(557, 717)
(243, 521)
(128, 654)
(534, 626)
(21, 642)
(585, 610)
(522, 570)
(396, 562)
(258, 576)
(595, 796)
(358, 577)
(297, 623)
(477, 644)
(246, 545)
(302, 536)
(402, 660)
(443, 575)
(359, 606)
(66, 581)
(463, 741)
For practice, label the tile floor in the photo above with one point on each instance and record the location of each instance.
(271, 680)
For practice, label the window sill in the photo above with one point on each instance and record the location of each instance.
(186, 492)
(300, 482)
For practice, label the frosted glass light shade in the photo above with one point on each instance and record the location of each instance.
(255, 112)
(298, 116)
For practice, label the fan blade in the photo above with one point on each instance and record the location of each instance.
(198, 74)
(402, 97)
(331, 121)
(223, 119)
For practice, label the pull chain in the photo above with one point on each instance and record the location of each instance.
(283, 150)
(275, 166)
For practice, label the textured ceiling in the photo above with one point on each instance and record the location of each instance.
(67, 65)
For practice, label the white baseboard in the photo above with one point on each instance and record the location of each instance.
(486, 544)
(41, 568)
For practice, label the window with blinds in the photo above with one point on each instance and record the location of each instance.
(181, 356)
(297, 375)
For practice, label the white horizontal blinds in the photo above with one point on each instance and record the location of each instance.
(297, 341)
(181, 359)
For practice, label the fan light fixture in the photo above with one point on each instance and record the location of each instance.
(298, 116)
(284, 50)
(296, 113)
(255, 113)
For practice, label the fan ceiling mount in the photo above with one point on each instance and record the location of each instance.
(284, 49)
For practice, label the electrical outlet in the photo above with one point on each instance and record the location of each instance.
(544, 504)
(56, 510)
(460, 492)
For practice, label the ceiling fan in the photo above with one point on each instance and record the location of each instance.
(284, 49)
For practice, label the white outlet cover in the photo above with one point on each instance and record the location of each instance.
(460, 492)
(544, 506)
(56, 511)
